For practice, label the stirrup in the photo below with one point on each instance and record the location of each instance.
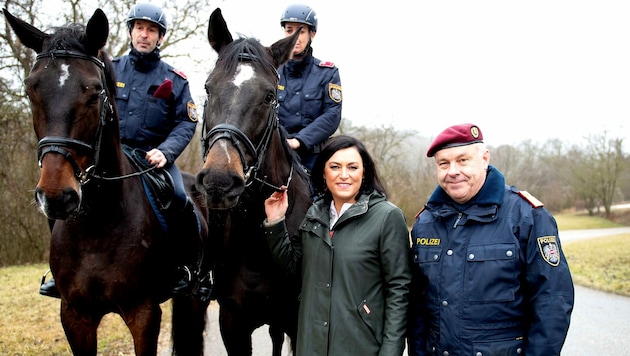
(184, 285)
(205, 289)
(44, 277)
(49, 289)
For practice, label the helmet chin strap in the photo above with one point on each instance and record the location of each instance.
(306, 48)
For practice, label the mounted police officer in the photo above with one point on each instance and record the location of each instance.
(489, 274)
(157, 116)
(309, 90)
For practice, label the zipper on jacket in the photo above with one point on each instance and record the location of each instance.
(459, 217)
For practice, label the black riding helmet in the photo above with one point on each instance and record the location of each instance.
(301, 14)
(147, 12)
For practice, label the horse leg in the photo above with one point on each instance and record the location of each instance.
(188, 325)
(144, 324)
(277, 340)
(80, 329)
(236, 334)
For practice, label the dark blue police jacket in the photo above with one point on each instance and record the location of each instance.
(489, 276)
(310, 97)
(154, 104)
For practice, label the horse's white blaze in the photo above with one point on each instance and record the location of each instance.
(244, 72)
(65, 74)
(224, 146)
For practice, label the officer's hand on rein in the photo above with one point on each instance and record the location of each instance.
(156, 157)
(294, 143)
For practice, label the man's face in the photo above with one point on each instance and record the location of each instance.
(145, 36)
(461, 171)
(304, 38)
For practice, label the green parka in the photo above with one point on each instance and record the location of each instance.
(355, 278)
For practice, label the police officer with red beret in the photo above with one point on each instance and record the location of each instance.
(489, 277)
(309, 91)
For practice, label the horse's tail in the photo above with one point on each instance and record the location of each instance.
(188, 325)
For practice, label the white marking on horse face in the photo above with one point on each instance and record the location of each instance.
(224, 146)
(65, 74)
(244, 72)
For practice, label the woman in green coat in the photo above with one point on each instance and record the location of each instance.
(353, 255)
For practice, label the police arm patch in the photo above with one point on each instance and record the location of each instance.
(334, 91)
(549, 250)
(192, 111)
(530, 199)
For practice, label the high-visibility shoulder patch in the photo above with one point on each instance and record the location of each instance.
(530, 199)
(180, 73)
(326, 64)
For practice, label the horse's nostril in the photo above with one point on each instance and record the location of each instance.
(60, 206)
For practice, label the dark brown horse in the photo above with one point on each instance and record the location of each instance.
(108, 252)
(246, 159)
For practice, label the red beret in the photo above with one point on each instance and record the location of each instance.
(458, 135)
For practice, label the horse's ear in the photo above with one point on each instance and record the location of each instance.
(97, 31)
(30, 36)
(218, 34)
(282, 50)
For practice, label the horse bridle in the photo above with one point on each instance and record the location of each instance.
(60, 145)
(243, 144)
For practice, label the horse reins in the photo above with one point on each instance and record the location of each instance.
(240, 140)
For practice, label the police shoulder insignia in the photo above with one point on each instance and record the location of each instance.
(120, 84)
(420, 212)
(180, 73)
(192, 111)
(326, 64)
(549, 250)
(530, 199)
(334, 91)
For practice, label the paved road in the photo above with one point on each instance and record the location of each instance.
(600, 323)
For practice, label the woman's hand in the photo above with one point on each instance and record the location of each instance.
(276, 205)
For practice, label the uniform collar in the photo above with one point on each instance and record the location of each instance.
(144, 62)
(491, 193)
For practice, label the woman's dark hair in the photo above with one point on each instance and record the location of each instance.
(370, 182)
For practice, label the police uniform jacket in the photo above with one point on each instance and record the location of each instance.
(489, 276)
(155, 105)
(354, 284)
(309, 93)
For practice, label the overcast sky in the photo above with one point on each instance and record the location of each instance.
(526, 70)
(521, 70)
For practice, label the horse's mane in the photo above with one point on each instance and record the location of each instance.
(73, 37)
(244, 49)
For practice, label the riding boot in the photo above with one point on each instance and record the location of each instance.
(49, 288)
(187, 276)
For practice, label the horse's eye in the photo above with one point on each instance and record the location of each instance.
(270, 98)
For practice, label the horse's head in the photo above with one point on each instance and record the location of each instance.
(240, 115)
(69, 91)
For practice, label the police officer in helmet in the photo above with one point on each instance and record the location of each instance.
(158, 117)
(309, 90)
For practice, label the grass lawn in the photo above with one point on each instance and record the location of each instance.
(30, 323)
